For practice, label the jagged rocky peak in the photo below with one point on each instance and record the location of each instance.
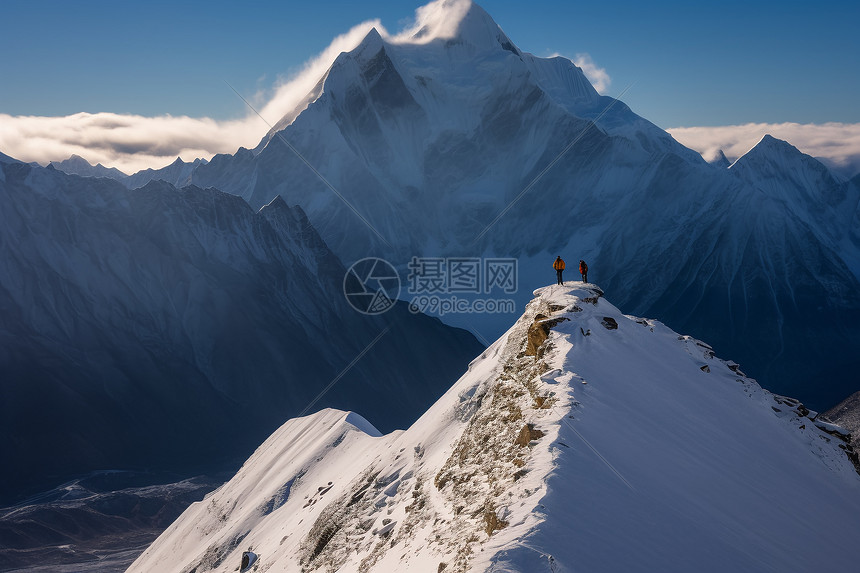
(369, 47)
(278, 212)
(76, 159)
(77, 165)
(768, 148)
(720, 160)
(769, 142)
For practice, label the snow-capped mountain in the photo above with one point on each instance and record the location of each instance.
(821, 199)
(177, 173)
(174, 329)
(77, 165)
(452, 141)
(582, 440)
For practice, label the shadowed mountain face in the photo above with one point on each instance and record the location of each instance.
(432, 140)
(173, 329)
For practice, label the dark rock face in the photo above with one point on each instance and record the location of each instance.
(175, 329)
(528, 434)
(609, 323)
(539, 331)
(846, 414)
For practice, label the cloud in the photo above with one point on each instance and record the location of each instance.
(133, 142)
(292, 93)
(597, 76)
(439, 19)
(128, 142)
(837, 144)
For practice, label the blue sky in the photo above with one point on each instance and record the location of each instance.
(689, 64)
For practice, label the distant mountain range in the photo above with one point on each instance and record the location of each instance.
(177, 173)
(166, 328)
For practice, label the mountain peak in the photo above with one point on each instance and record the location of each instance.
(370, 44)
(720, 160)
(460, 21)
(769, 148)
(74, 160)
(770, 142)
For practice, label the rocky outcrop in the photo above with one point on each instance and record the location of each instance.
(527, 435)
(846, 414)
(539, 331)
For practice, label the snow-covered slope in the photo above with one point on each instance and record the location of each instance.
(174, 329)
(454, 142)
(582, 440)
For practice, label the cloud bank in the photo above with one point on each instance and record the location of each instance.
(133, 142)
(837, 144)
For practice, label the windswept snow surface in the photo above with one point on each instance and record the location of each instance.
(581, 440)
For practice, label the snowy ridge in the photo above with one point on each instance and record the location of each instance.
(582, 439)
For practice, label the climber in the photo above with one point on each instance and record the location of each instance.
(583, 270)
(558, 265)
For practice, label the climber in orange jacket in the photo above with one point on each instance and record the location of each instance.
(583, 270)
(558, 265)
